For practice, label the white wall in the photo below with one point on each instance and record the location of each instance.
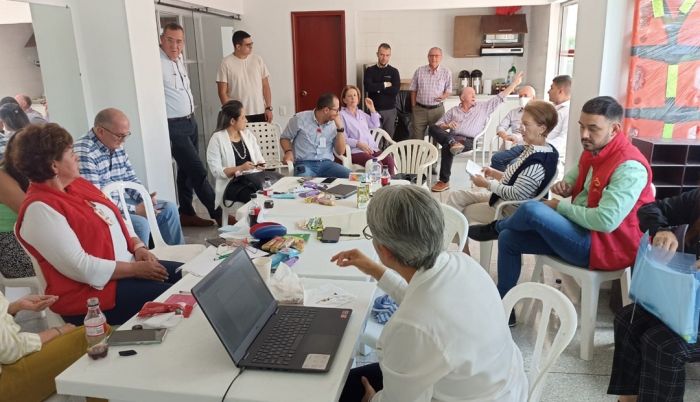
(19, 74)
(411, 33)
(12, 12)
(542, 46)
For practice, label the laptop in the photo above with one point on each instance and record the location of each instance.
(342, 190)
(257, 332)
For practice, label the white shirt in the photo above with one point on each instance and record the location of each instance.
(178, 96)
(50, 234)
(511, 123)
(448, 340)
(244, 78)
(14, 344)
(558, 135)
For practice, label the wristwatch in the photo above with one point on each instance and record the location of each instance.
(340, 130)
(268, 108)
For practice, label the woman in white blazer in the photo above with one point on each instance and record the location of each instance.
(232, 150)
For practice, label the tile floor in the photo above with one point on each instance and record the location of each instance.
(571, 379)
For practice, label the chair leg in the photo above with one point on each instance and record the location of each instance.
(485, 250)
(625, 281)
(538, 271)
(590, 290)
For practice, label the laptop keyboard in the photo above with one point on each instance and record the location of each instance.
(284, 337)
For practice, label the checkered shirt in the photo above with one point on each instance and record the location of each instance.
(430, 84)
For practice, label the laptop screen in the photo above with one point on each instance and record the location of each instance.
(236, 302)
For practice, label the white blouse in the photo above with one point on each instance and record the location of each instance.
(14, 344)
(448, 340)
(50, 234)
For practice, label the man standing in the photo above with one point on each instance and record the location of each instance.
(25, 102)
(382, 84)
(103, 160)
(311, 136)
(243, 76)
(560, 95)
(465, 122)
(598, 228)
(431, 85)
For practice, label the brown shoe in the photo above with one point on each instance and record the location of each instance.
(456, 148)
(194, 220)
(440, 187)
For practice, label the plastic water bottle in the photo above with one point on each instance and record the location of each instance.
(511, 74)
(267, 187)
(376, 170)
(95, 329)
(253, 210)
(363, 193)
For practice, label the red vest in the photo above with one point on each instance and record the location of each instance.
(617, 249)
(93, 234)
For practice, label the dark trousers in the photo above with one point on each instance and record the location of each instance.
(191, 173)
(132, 293)
(388, 121)
(256, 118)
(353, 391)
(649, 358)
(446, 139)
(361, 158)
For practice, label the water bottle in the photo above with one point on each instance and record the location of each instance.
(511, 74)
(267, 187)
(95, 329)
(253, 210)
(363, 193)
(386, 177)
(376, 170)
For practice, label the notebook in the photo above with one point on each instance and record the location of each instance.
(342, 190)
(257, 332)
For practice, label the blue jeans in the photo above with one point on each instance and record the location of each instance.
(168, 223)
(322, 168)
(536, 228)
(501, 159)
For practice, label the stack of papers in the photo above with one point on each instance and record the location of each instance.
(473, 169)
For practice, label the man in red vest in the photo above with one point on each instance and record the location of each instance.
(598, 227)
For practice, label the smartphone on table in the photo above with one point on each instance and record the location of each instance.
(330, 235)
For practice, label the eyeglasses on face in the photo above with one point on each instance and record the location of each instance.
(366, 233)
(117, 135)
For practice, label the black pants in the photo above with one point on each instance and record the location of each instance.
(649, 358)
(353, 391)
(256, 118)
(191, 173)
(132, 293)
(445, 139)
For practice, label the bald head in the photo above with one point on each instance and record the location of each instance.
(25, 102)
(526, 92)
(109, 116)
(468, 97)
(111, 127)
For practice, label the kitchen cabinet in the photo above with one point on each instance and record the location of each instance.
(467, 36)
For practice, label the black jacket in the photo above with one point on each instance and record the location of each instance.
(669, 213)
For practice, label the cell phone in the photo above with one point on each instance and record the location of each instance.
(328, 180)
(216, 242)
(330, 235)
(137, 337)
(159, 205)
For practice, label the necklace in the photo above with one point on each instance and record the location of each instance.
(245, 150)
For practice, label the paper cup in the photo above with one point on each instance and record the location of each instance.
(264, 267)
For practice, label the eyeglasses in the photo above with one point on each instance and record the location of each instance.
(335, 109)
(367, 235)
(116, 135)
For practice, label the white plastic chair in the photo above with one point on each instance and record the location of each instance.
(412, 157)
(590, 282)
(481, 139)
(50, 318)
(31, 282)
(378, 134)
(552, 300)
(179, 253)
(268, 136)
(456, 224)
(486, 247)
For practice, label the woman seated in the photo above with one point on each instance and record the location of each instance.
(29, 363)
(448, 340)
(523, 179)
(13, 118)
(78, 236)
(357, 125)
(232, 150)
(14, 262)
(649, 359)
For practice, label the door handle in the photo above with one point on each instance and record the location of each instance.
(304, 93)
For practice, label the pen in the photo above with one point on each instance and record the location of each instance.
(184, 292)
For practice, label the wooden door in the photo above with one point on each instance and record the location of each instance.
(318, 40)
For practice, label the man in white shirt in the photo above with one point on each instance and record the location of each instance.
(448, 340)
(25, 102)
(184, 145)
(560, 95)
(243, 76)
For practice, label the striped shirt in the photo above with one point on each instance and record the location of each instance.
(527, 182)
(429, 84)
(4, 138)
(101, 166)
(511, 123)
(14, 344)
(473, 121)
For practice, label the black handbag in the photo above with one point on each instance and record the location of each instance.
(247, 184)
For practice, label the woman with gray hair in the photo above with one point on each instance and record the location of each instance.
(448, 340)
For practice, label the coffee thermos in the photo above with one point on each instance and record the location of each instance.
(464, 79)
(477, 81)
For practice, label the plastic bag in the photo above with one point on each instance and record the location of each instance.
(668, 286)
(286, 286)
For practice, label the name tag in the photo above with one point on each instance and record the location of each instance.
(322, 142)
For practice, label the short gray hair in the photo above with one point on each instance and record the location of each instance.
(409, 222)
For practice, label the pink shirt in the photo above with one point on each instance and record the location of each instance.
(474, 120)
(430, 84)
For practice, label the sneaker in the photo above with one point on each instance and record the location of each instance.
(194, 220)
(511, 319)
(483, 232)
(456, 148)
(440, 186)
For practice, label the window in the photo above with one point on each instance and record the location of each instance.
(567, 38)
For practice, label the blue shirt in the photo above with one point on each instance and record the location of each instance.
(101, 165)
(308, 136)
